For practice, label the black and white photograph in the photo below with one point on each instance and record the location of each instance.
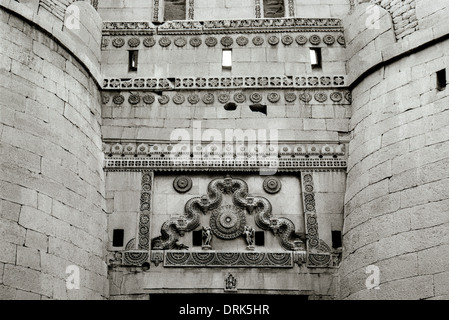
(224, 159)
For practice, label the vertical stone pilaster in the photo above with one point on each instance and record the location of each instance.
(318, 252)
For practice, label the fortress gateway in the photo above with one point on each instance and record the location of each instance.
(296, 147)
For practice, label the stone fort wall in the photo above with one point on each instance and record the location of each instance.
(52, 181)
(395, 203)
(55, 195)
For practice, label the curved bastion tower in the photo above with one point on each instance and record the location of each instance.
(257, 147)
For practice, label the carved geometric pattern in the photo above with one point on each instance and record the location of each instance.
(227, 41)
(318, 251)
(228, 259)
(191, 10)
(227, 82)
(258, 10)
(227, 222)
(135, 258)
(291, 8)
(229, 218)
(145, 209)
(158, 157)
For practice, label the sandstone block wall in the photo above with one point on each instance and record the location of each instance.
(395, 216)
(51, 181)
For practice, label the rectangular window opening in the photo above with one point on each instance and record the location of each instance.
(227, 59)
(441, 80)
(133, 57)
(197, 238)
(273, 8)
(336, 239)
(118, 236)
(259, 238)
(315, 58)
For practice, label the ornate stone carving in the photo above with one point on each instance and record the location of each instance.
(273, 40)
(223, 97)
(149, 42)
(336, 96)
(329, 39)
(290, 97)
(135, 258)
(211, 41)
(182, 184)
(226, 82)
(273, 97)
(305, 97)
(134, 42)
(305, 157)
(118, 99)
(164, 41)
(258, 41)
(178, 98)
(104, 42)
(155, 10)
(118, 42)
(180, 42)
(315, 39)
(148, 99)
(242, 41)
(226, 41)
(163, 99)
(320, 97)
(341, 40)
(301, 40)
(287, 40)
(191, 10)
(195, 41)
(249, 233)
(134, 99)
(258, 9)
(208, 98)
(348, 96)
(255, 97)
(227, 222)
(318, 250)
(231, 259)
(157, 257)
(207, 237)
(239, 97)
(193, 98)
(272, 185)
(105, 98)
(291, 8)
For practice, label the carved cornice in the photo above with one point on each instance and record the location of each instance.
(228, 259)
(167, 157)
(247, 82)
(225, 26)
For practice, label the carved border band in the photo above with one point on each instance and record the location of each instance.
(227, 259)
(223, 26)
(203, 83)
(318, 252)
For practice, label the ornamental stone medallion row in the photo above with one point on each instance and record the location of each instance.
(227, 82)
(342, 97)
(224, 41)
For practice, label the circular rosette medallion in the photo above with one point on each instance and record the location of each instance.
(228, 222)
